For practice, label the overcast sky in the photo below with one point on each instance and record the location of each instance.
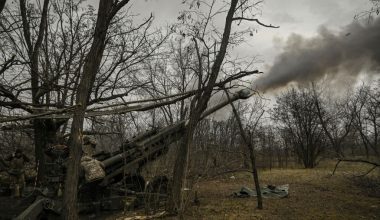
(303, 17)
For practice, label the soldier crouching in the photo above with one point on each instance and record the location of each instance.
(17, 171)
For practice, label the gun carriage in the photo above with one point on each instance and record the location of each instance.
(120, 173)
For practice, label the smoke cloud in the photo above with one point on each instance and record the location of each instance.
(346, 54)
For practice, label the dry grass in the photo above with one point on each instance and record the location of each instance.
(314, 194)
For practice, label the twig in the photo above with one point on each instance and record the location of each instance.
(255, 20)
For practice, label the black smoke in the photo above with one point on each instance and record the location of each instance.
(345, 54)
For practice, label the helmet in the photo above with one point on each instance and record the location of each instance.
(88, 140)
(93, 142)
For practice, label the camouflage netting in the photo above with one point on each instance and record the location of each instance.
(269, 191)
(92, 169)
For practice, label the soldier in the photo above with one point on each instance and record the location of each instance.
(89, 146)
(17, 172)
(92, 167)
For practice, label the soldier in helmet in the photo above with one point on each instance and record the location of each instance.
(16, 171)
(92, 167)
(89, 146)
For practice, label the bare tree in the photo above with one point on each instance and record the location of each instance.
(107, 11)
(366, 108)
(368, 14)
(63, 44)
(249, 145)
(50, 62)
(169, 73)
(336, 119)
(208, 65)
(33, 50)
(198, 105)
(295, 110)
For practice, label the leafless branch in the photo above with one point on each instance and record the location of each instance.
(356, 161)
(255, 20)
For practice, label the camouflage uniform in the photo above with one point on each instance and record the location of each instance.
(92, 168)
(88, 146)
(17, 172)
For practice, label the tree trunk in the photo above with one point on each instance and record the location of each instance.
(91, 66)
(45, 131)
(180, 167)
(255, 176)
(2, 4)
(71, 191)
(106, 11)
(251, 155)
(41, 135)
(39, 146)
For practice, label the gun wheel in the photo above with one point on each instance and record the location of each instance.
(156, 193)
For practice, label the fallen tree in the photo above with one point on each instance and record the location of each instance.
(374, 164)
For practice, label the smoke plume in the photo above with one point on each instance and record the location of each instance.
(346, 54)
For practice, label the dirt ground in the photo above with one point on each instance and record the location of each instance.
(313, 194)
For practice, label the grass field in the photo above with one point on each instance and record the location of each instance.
(313, 194)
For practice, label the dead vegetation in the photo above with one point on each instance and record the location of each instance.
(313, 194)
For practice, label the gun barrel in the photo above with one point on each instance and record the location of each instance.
(113, 160)
(166, 136)
(242, 94)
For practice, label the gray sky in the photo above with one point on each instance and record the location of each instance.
(302, 17)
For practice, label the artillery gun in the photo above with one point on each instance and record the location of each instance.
(121, 170)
